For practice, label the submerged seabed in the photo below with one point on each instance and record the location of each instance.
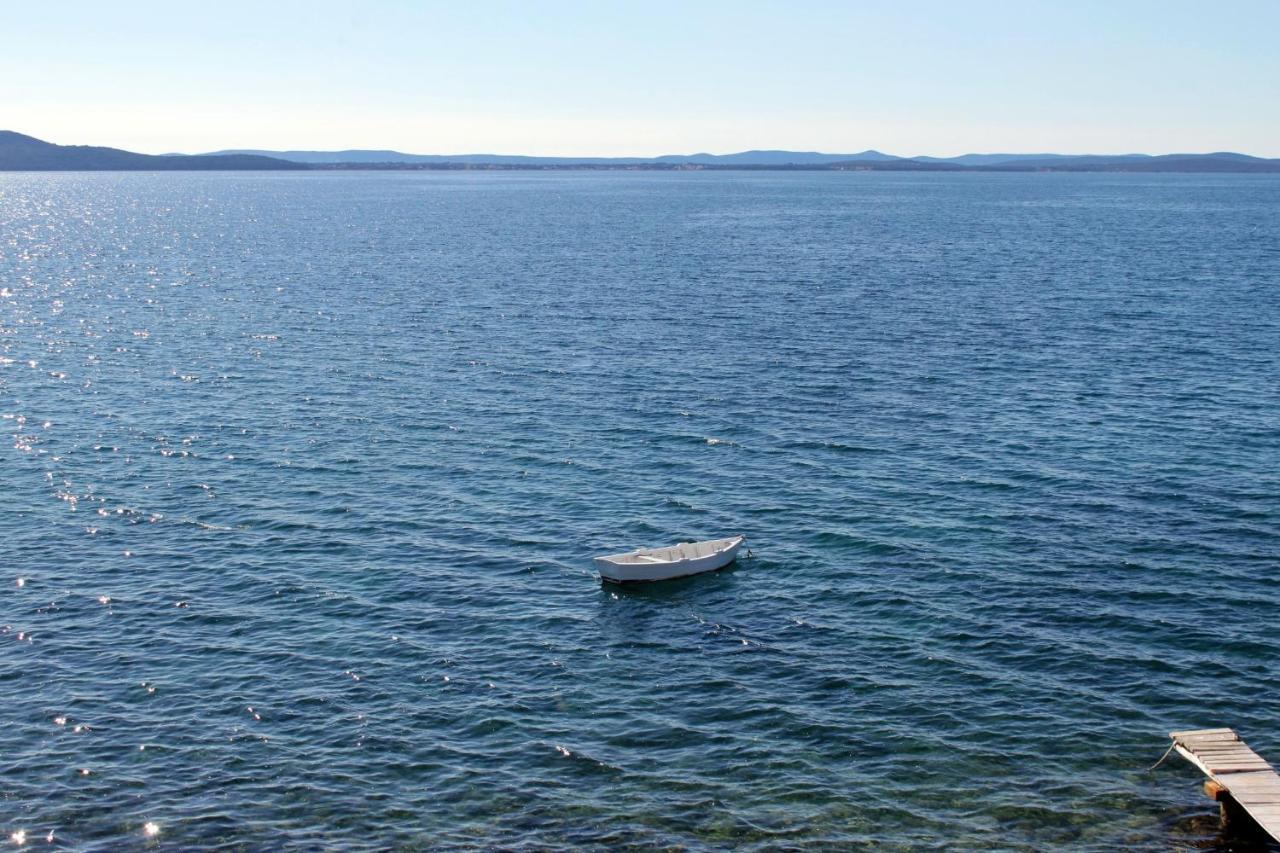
(302, 475)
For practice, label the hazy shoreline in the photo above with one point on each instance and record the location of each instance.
(22, 153)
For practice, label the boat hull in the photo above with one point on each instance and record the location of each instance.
(623, 569)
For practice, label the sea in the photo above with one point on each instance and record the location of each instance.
(301, 476)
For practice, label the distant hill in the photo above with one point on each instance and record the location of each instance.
(380, 157)
(26, 153)
(776, 158)
(19, 152)
(773, 159)
(895, 164)
(744, 158)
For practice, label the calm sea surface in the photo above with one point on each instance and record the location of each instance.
(301, 476)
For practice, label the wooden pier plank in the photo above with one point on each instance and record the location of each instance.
(1261, 780)
(1249, 779)
(1212, 748)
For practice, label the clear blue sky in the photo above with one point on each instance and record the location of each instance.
(614, 78)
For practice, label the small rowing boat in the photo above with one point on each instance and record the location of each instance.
(673, 561)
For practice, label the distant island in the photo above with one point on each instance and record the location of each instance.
(19, 152)
(784, 160)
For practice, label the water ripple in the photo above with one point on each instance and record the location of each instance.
(302, 474)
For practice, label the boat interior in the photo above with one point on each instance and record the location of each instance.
(674, 553)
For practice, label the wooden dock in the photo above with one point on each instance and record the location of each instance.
(1238, 776)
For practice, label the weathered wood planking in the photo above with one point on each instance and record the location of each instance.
(1246, 776)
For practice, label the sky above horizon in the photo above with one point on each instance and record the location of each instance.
(643, 79)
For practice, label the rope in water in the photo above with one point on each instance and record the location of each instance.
(1163, 757)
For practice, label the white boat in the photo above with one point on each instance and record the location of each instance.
(673, 561)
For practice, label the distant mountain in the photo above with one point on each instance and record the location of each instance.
(774, 159)
(745, 158)
(379, 157)
(895, 164)
(19, 152)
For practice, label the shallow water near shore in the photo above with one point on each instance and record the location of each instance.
(302, 475)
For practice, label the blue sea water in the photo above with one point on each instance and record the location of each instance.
(301, 476)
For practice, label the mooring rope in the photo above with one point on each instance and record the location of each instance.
(1163, 757)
